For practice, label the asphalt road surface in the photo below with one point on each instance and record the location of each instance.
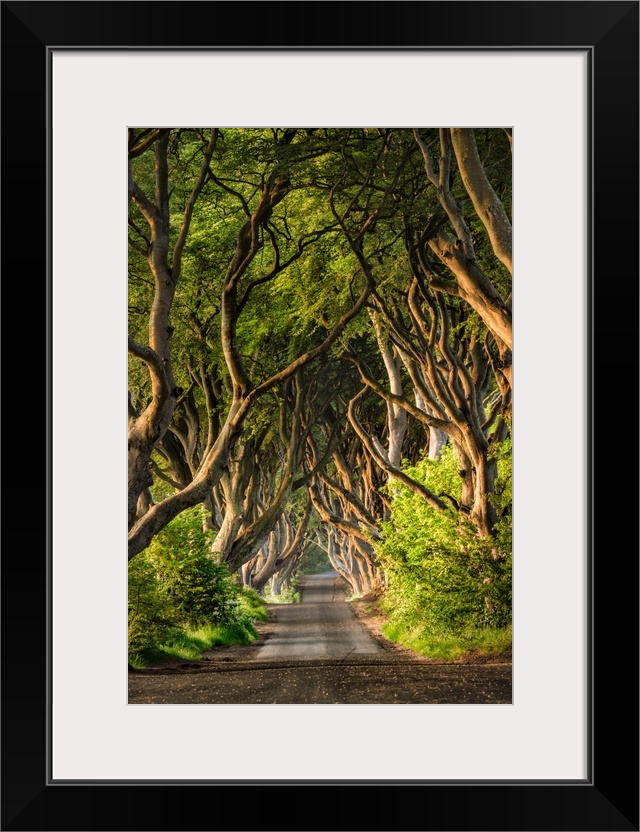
(321, 625)
(319, 653)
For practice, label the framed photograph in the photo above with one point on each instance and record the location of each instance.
(562, 77)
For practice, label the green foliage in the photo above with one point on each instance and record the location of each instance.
(290, 595)
(314, 561)
(200, 589)
(287, 596)
(485, 641)
(444, 582)
(177, 590)
(152, 618)
(503, 485)
(188, 644)
(254, 604)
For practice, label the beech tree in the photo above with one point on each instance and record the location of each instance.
(256, 228)
(456, 249)
(345, 492)
(458, 372)
(309, 311)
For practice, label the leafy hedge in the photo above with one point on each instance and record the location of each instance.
(177, 591)
(443, 581)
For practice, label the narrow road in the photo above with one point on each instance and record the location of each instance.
(320, 625)
(319, 653)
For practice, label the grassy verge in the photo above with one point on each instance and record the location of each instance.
(188, 643)
(480, 642)
(254, 604)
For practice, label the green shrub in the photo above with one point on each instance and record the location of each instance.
(314, 561)
(443, 582)
(254, 604)
(181, 601)
(188, 644)
(201, 590)
(290, 595)
(152, 617)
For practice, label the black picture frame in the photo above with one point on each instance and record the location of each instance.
(608, 798)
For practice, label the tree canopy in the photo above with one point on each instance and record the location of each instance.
(315, 315)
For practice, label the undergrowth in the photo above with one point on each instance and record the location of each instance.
(189, 644)
(290, 595)
(182, 602)
(448, 591)
(486, 642)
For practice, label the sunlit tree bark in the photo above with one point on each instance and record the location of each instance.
(147, 429)
(468, 280)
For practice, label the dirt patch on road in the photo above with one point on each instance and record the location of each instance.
(245, 652)
(367, 611)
